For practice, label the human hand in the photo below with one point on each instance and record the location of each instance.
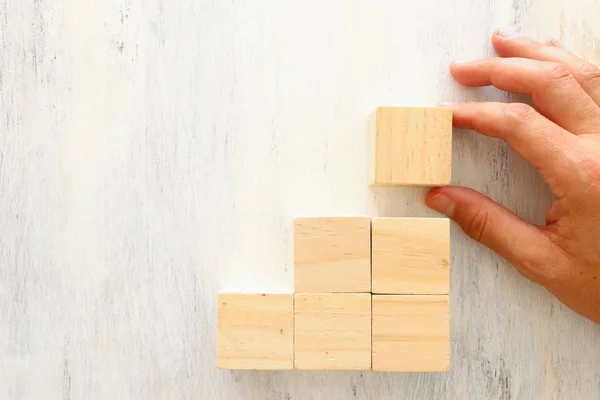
(561, 139)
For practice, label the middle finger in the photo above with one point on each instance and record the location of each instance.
(554, 91)
(586, 74)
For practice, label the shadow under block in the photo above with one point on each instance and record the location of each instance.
(411, 146)
(332, 255)
(255, 331)
(411, 255)
(332, 331)
(411, 333)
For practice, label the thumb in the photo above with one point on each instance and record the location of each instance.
(521, 243)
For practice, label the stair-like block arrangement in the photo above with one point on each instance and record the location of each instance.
(369, 293)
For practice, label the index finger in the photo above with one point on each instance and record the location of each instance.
(540, 142)
(553, 89)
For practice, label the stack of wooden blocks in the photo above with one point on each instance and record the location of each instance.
(369, 293)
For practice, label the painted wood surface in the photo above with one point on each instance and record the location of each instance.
(153, 152)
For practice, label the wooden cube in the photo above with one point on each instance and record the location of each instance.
(332, 255)
(332, 331)
(411, 146)
(411, 333)
(255, 331)
(411, 255)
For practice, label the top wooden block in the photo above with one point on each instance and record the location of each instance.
(411, 146)
(332, 255)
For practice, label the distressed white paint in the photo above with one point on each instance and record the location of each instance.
(153, 152)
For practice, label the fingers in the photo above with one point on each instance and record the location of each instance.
(484, 220)
(537, 140)
(588, 75)
(553, 89)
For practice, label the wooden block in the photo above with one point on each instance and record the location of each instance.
(411, 255)
(255, 331)
(411, 146)
(332, 255)
(411, 333)
(332, 331)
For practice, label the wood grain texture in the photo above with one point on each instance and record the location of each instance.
(411, 146)
(332, 331)
(411, 333)
(411, 255)
(255, 331)
(332, 255)
(154, 152)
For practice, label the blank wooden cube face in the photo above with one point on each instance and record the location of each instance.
(255, 331)
(411, 146)
(332, 331)
(411, 255)
(332, 255)
(411, 333)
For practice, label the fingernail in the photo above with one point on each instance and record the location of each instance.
(554, 42)
(507, 34)
(442, 204)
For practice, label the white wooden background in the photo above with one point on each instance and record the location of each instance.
(153, 152)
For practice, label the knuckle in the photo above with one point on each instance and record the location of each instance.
(543, 264)
(546, 273)
(590, 166)
(477, 226)
(518, 114)
(555, 72)
(551, 265)
(588, 73)
(531, 270)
